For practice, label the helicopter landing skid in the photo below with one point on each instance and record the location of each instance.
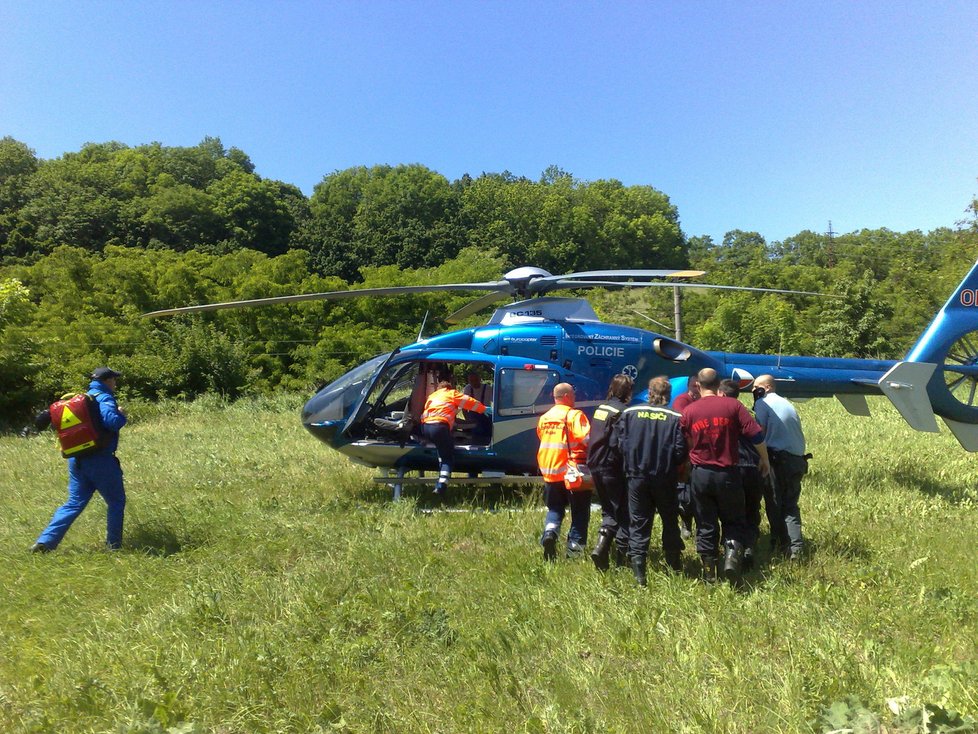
(397, 482)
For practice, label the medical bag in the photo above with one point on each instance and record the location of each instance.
(78, 423)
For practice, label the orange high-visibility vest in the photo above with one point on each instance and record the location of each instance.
(442, 405)
(563, 432)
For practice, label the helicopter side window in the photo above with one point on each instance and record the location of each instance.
(526, 392)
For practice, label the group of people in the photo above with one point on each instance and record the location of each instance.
(644, 458)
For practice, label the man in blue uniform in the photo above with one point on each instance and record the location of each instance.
(789, 463)
(99, 471)
(653, 448)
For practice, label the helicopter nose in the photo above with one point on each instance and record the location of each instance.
(325, 431)
(320, 419)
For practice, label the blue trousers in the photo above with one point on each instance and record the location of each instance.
(557, 497)
(100, 473)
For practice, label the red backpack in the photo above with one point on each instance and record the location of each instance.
(77, 420)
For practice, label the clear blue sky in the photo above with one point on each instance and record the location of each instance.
(767, 116)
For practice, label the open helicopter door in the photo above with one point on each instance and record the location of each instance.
(393, 404)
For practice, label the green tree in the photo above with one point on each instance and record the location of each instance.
(18, 351)
(17, 164)
(252, 212)
(853, 325)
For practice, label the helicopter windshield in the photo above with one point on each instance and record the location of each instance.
(335, 401)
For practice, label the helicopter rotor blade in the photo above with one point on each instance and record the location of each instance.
(638, 274)
(539, 286)
(475, 306)
(662, 284)
(333, 296)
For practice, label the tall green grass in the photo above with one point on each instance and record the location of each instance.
(268, 586)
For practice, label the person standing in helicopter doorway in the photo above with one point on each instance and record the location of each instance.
(604, 461)
(95, 472)
(437, 422)
(562, 457)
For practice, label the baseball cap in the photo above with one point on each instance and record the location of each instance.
(105, 373)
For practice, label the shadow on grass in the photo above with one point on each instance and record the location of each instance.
(158, 539)
(490, 498)
(914, 477)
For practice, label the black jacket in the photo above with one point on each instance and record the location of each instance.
(602, 453)
(650, 441)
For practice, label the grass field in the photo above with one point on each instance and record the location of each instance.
(268, 586)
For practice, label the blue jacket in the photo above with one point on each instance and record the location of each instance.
(112, 419)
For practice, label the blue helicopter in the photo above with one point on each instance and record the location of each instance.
(530, 345)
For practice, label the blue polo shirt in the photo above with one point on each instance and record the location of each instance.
(782, 427)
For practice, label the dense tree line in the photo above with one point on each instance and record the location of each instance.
(209, 199)
(91, 240)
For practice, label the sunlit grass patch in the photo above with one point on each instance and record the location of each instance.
(268, 585)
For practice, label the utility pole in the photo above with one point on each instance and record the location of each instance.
(830, 249)
(677, 311)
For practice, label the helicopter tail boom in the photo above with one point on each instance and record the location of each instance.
(938, 376)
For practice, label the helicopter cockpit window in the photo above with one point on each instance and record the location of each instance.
(391, 394)
(526, 392)
(335, 401)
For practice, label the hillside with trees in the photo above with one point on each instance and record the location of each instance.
(94, 238)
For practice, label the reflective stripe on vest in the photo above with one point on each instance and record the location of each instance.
(443, 404)
(559, 443)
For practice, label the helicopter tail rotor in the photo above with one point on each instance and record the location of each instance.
(951, 343)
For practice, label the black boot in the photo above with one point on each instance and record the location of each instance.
(639, 566)
(621, 557)
(748, 562)
(549, 543)
(602, 549)
(674, 560)
(709, 568)
(731, 560)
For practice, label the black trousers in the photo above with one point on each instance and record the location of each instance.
(788, 469)
(609, 483)
(646, 496)
(718, 495)
(754, 486)
(441, 436)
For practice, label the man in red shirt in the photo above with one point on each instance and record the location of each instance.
(690, 395)
(713, 426)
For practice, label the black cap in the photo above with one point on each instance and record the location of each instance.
(105, 373)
